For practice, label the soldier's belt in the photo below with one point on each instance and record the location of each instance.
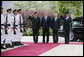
(15, 25)
(7, 25)
(24, 24)
(2, 24)
(20, 24)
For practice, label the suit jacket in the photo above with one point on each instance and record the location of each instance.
(35, 22)
(46, 23)
(55, 24)
(67, 23)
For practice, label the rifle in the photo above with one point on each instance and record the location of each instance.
(22, 25)
(1, 27)
(14, 26)
(6, 25)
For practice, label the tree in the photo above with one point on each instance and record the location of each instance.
(74, 7)
(70, 6)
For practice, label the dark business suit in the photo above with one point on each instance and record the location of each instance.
(45, 25)
(35, 27)
(67, 25)
(55, 26)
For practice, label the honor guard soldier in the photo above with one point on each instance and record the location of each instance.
(20, 27)
(15, 28)
(3, 46)
(8, 28)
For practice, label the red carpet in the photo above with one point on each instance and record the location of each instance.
(77, 43)
(32, 49)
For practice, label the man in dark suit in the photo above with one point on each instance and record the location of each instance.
(67, 25)
(45, 26)
(55, 27)
(35, 26)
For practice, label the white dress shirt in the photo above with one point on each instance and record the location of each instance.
(67, 18)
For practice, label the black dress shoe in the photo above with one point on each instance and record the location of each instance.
(66, 43)
(34, 42)
(54, 42)
(43, 42)
(47, 41)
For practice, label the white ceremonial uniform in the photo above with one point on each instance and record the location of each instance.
(15, 36)
(19, 33)
(9, 36)
(2, 31)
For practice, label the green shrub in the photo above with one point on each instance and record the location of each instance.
(51, 32)
(40, 32)
(29, 32)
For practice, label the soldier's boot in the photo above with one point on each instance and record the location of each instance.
(9, 46)
(20, 43)
(3, 46)
(17, 43)
(13, 44)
